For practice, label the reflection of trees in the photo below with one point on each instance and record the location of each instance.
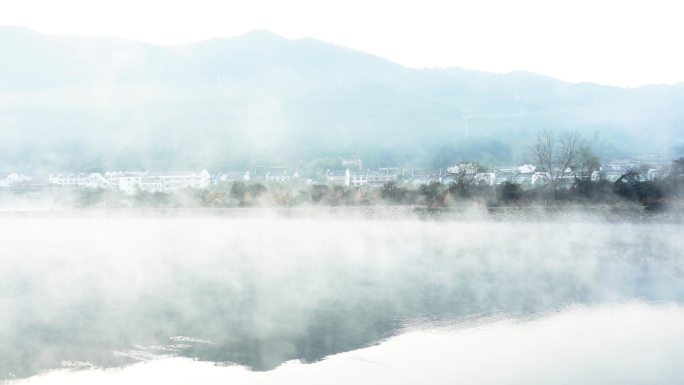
(267, 305)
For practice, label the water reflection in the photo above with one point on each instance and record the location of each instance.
(633, 343)
(108, 292)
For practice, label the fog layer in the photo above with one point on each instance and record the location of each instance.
(109, 291)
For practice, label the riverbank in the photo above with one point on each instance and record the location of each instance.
(609, 213)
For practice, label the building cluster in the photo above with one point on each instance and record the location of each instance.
(128, 182)
(131, 182)
(614, 169)
(352, 174)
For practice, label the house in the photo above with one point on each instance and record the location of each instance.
(423, 177)
(505, 176)
(280, 175)
(337, 177)
(612, 175)
(9, 180)
(396, 172)
(525, 175)
(358, 178)
(623, 164)
(468, 168)
(258, 174)
(232, 176)
(29, 185)
(526, 169)
(653, 174)
(485, 178)
(173, 181)
(383, 175)
(125, 181)
(83, 180)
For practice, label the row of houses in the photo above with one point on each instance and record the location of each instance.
(373, 178)
(417, 177)
(130, 182)
(353, 176)
(269, 175)
(526, 174)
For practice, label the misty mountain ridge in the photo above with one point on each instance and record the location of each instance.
(73, 103)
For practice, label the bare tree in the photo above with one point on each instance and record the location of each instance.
(554, 154)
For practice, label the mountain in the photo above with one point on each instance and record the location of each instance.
(77, 103)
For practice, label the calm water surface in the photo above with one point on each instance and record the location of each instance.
(130, 298)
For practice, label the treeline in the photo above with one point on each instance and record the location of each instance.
(631, 187)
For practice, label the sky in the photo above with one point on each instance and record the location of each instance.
(624, 43)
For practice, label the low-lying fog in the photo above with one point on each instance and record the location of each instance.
(476, 300)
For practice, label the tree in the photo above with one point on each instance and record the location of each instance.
(508, 192)
(317, 192)
(554, 154)
(393, 192)
(432, 194)
(677, 168)
(650, 194)
(255, 190)
(465, 181)
(585, 164)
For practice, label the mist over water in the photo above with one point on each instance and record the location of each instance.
(108, 291)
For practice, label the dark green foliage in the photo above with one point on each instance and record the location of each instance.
(238, 191)
(508, 192)
(631, 187)
(317, 192)
(338, 195)
(589, 191)
(256, 190)
(463, 189)
(392, 192)
(650, 194)
(433, 194)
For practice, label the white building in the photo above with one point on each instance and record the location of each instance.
(280, 175)
(485, 178)
(612, 175)
(424, 177)
(358, 179)
(468, 168)
(526, 169)
(12, 179)
(337, 177)
(382, 176)
(86, 180)
(233, 176)
(173, 181)
(653, 174)
(125, 181)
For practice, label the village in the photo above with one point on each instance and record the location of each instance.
(350, 174)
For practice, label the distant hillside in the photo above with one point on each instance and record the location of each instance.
(79, 103)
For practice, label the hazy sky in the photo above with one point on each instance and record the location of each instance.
(625, 42)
